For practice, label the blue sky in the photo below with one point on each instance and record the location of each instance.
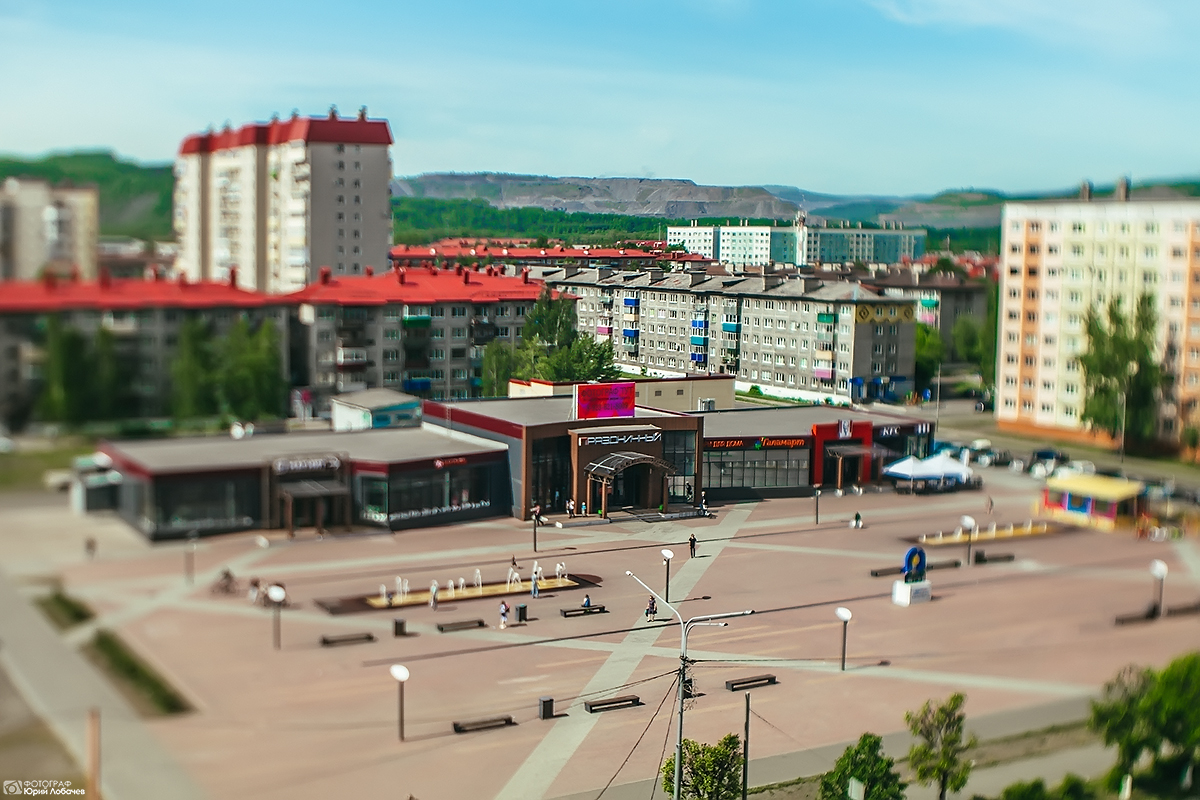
(843, 96)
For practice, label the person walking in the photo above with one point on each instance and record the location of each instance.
(990, 504)
(89, 548)
(857, 519)
(692, 545)
(651, 610)
(570, 508)
(533, 581)
(583, 509)
(433, 595)
(503, 615)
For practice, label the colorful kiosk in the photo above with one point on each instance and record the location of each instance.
(1094, 501)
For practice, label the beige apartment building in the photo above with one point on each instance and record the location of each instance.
(1062, 257)
(47, 227)
(273, 203)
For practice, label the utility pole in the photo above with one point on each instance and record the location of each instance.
(746, 752)
(937, 409)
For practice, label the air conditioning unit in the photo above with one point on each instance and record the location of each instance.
(708, 404)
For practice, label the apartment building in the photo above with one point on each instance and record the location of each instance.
(940, 301)
(1061, 258)
(828, 245)
(279, 200)
(421, 330)
(793, 337)
(143, 315)
(742, 245)
(45, 227)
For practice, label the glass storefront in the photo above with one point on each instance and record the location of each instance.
(756, 469)
(216, 503)
(550, 480)
(434, 493)
(679, 447)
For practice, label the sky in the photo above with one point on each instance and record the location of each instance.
(838, 96)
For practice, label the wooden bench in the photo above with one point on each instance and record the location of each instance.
(749, 683)
(461, 625)
(346, 638)
(1149, 615)
(998, 558)
(1179, 611)
(483, 724)
(882, 571)
(581, 611)
(624, 701)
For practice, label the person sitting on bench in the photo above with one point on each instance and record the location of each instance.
(587, 601)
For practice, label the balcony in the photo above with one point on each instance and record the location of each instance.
(352, 357)
(827, 319)
(629, 333)
(699, 341)
(416, 321)
(417, 384)
(604, 330)
(731, 327)
(348, 384)
(606, 301)
(823, 373)
(631, 302)
(701, 324)
(700, 358)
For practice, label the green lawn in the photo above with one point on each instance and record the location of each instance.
(24, 470)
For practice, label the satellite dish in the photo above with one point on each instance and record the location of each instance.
(843, 613)
(276, 594)
(399, 672)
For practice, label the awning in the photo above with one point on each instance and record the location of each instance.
(873, 451)
(298, 490)
(614, 463)
(1101, 487)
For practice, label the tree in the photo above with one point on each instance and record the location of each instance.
(498, 361)
(584, 359)
(1172, 706)
(236, 381)
(1121, 375)
(864, 762)
(1119, 716)
(987, 343)
(938, 756)
(67, 371)
(552, 319)
(967, 339)
(929, 354)
(271, 387)
(109, 379)
(946, 266)
(710, 772)
(193, 383)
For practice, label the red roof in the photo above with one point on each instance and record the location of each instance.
(421, 286)
(466, 251)
(307, 129)
(48, 295)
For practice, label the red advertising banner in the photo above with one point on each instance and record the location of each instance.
(603, 400)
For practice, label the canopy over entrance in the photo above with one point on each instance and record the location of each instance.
(614, 463)
(870, 450)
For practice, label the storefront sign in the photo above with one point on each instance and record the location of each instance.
(306, 464)
(442, 463)
(619, 438)
(761, 443)
(889, 430)
(433, 512)
(844, 429)
(604, 400)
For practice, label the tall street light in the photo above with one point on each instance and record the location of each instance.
(844, 615)
(400, 673)
(684, 628)
(1158, 568)
(276, 594)
(667, 556)
(817, 504)
(969, 526)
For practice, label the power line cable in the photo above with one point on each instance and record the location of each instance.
(639, 740)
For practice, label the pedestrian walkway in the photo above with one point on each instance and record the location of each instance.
(61, 686)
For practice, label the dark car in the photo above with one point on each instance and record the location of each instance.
(982, 406)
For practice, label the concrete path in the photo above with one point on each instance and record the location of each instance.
(60, 686)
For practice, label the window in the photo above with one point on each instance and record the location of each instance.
(391, 355)
(437, 354)
(458, 311)
(391, 333)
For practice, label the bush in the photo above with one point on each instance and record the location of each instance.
(65, 612)
(1033, 790)
(125, 665)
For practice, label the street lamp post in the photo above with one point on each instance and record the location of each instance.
(684, 628)
(400, 673)
(969, 527)
(816, 504)
(667, 556)
(189, 558)
(1158, 568)
(844, 615)
(276, 594)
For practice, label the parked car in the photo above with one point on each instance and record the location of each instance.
(985, 405)
(995, 458)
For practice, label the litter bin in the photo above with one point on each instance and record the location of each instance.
(545, 708)
(399, 627)
(522, 613)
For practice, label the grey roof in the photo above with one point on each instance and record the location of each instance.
(387, 445)
(528, 411)
(375, 398)
(787, 421)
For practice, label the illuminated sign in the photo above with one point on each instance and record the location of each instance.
(844, 429)
(889, 430)
(604, 400)
(306, 464)
(765, 442)
(619, 438)
(442, 463)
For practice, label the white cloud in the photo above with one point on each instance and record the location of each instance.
(1100, 24)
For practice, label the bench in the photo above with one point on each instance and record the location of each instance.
(1149, 615)
(483, 724)
(624, 701)
(882, 571)
(749, 683)
(346, 638)
(982, 558)
(461, 625)
(580, 611)
(1179, 611)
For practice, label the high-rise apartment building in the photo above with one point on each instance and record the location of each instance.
(45, 227)
(1064, 257)
(743, 245)
(282, 199)
(868, 245)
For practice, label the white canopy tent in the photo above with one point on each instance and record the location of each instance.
(942, 465)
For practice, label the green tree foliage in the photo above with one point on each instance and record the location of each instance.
(249, 376)
(1121, 375)
(938, 756)
(1143, 711)
(193, 383)
(270, 383)
(499, 358)
(987, 342)
(867, 763)
(968, 340)
(946, 266)
(67, 394)
(710, 772)
(929, 354)
(552, 320)
(110, 377)
(1072, 787)
(585, 359)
